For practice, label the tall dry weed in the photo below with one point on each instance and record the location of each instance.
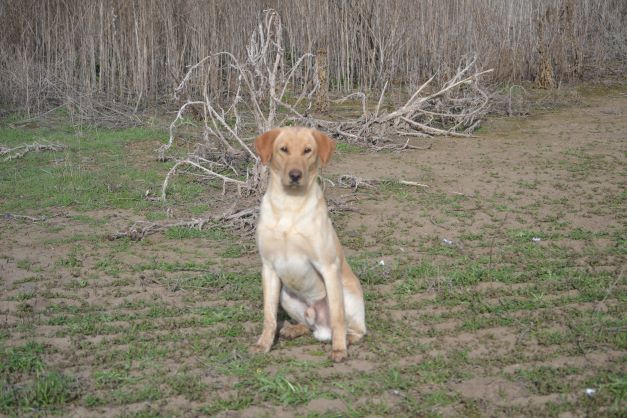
(55, 52)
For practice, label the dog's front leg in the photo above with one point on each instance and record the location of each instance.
(331, 275)
(271, 293)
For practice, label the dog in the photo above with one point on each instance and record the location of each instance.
(303, 265)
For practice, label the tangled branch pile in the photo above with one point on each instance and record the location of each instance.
(455, 108)
(264, 81)
(279, 93)
(257, 102)
(270, 90)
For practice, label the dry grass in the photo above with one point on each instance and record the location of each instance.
(128, 54)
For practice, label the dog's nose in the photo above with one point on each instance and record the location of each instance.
(295, 175)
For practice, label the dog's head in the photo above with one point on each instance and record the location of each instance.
(294, 154)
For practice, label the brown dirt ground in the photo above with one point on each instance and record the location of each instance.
(522, 157)
(512, 152)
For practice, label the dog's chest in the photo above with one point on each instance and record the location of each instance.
(282, 233)
(286, 243)
(300, 277)
(288, 250)
(292, 269)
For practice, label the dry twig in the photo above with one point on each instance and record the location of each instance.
(21, 150)
(349, 181)
(11, 216)
(140, 230)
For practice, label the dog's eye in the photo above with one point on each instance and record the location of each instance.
(307, 151)
(283, 149)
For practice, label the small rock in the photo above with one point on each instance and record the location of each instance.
(591, 392)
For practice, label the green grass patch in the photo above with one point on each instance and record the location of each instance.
(21, 359)
(282, 389)
(545, 380)
(47, 392)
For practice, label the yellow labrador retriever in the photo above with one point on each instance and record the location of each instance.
(304, 267)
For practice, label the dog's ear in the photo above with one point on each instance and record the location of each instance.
(326, 146)
(264, 144)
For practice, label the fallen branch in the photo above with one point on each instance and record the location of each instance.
(139, 230)
(412, 183)
(11, 216)
(21, 150)
(402, 147)
(353, 182)
(243, 220)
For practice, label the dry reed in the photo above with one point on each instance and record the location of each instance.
(134, 53)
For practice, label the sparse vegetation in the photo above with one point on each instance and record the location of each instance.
(492, 267)
(496, 290)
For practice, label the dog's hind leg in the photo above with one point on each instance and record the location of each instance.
(317, 317)
(308, 318)
(293, 305)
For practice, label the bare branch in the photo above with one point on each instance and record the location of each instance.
(263, 80)
(10, 216)
(240, 184)
(21, 150)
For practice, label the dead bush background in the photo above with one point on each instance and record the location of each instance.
(112, 57)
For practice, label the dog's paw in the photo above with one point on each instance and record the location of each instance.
(338, 355)
(354, 338)
(259, 348)
(291, 331)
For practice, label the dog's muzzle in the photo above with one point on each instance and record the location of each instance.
(295, 177)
